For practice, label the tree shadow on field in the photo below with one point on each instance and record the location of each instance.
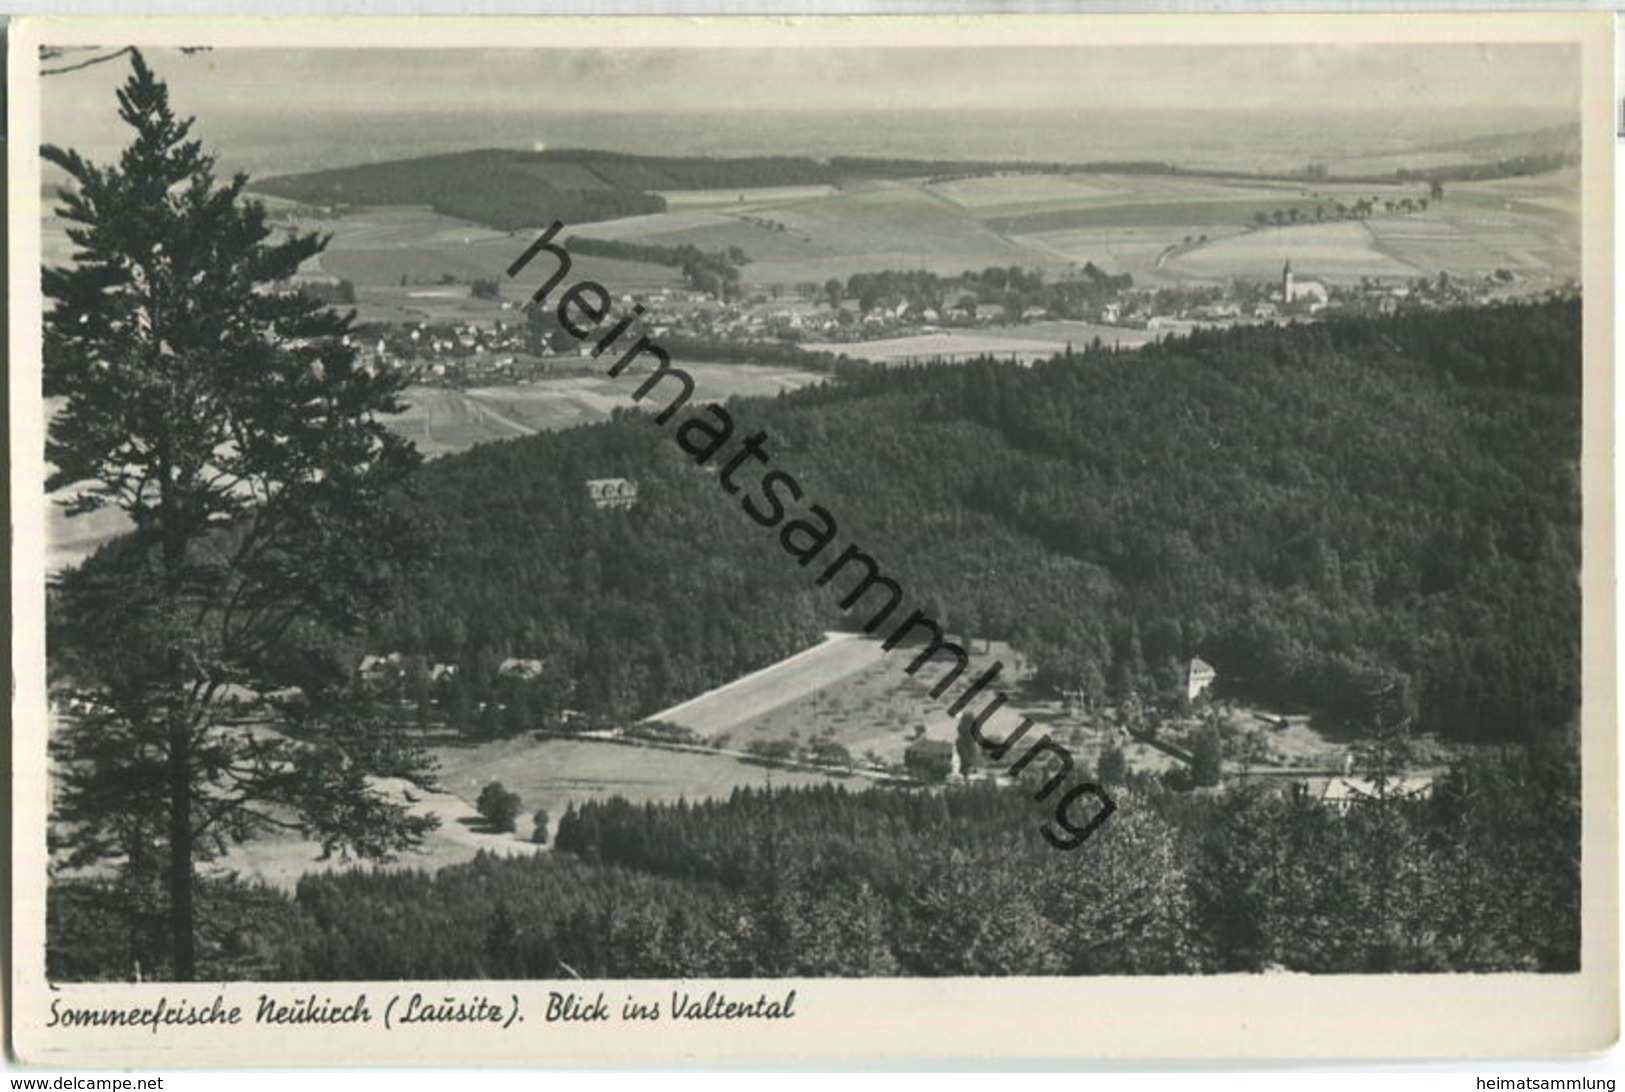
(481, 825)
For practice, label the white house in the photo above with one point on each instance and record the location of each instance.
(1199, 676)
(612, 492)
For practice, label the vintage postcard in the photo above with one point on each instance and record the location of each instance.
(632, 540)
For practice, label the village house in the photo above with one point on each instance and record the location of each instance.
(932, 760)
(376, 670)
(1199, 677)
(515, 668)
(612, 492)
(1345, 793)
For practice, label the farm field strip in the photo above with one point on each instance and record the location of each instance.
(1338, 250)
(943, 344)
(1118, 250)
(748, 198)
(848, 690)
(553, 773)
(825, 664)
(1041, 341)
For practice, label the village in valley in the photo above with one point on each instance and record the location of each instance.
(846, 710)
(943, 322)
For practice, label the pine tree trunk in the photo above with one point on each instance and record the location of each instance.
(180, 855)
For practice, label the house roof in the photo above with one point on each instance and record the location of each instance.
(1357, 789)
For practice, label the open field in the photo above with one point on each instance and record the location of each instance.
(377, 249)
(280, 859)
(864, 226)
(441, 421)
(1343, 251)
(790, 680)
(1124, 223)
(552, 773)
(1014, 191)
(750, 197)
(849, 690)
(1529, 225)
(548, 775)
(1038, 341)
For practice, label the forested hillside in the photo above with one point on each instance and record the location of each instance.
(497, 188)
(1315, 510)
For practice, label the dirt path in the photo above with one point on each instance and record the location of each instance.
(503, 419)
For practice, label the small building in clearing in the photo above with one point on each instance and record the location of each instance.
(933, 760)
(515, 668)
(612, 492)
(1199, 676)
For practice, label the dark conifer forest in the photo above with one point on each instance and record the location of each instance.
(1308, 508)
(824, 882)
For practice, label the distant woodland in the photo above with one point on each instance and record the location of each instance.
(1315, 510)
(511, 189)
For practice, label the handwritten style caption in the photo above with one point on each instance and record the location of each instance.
(405, 1010)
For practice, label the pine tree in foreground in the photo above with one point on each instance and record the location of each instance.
(230, 421)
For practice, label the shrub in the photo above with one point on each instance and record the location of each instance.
(1207, 763)
(538, 832)
(498, 806)
(772, 750)
(1113, 765)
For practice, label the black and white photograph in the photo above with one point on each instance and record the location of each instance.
(623, 528)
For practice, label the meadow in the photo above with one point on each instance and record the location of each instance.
(1162, 229)
(1026, 343)
(550, 774)
(280, 857)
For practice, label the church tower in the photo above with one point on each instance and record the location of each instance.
(1286, 282)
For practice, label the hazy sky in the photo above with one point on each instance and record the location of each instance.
(271, 111)
(1313, 77)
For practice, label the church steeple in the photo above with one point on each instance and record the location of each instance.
(1286, 282)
